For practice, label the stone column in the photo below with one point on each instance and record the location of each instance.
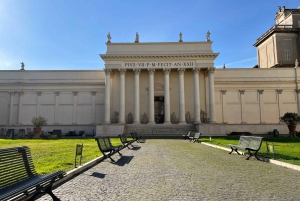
(167, 105)
(181, 96)
(56, 112)
(21, 93)
(223, 96)
(93, 113)
(279, 92)
(11, 108)
(211, 95)
(298, 100)
(38, 105)
(151, 96)
(242, 100)
(206, 93)
(107, 96)
(136, 96)
(261, 106)
(122, 96)
(197, 118)
(74, 119)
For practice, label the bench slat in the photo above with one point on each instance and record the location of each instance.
(18, 177)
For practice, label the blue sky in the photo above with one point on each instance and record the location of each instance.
(70, 34)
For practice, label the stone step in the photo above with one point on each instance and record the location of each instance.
(160, 130)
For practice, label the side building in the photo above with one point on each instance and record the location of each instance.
(280, 45)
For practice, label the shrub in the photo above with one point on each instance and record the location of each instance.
(290, 118)
(39, 121)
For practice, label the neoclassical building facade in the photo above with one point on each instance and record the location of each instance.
(147, 86)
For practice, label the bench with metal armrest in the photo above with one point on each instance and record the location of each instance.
(106, 147)
(251, 144)
(19, 179)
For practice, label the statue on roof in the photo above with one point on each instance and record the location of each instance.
(296, 63)
(224, 66)
(279, 8)
(180, 37)
(22, 65)
(108, 38)
(208, 36)
(137, 37)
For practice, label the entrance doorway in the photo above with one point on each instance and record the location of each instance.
(159, 109)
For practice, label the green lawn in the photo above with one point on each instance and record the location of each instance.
(286, 149)
(56, 154)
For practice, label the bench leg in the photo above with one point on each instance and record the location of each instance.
(47, 190)
(235, 151)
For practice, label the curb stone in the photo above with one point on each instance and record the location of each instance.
(272, 161)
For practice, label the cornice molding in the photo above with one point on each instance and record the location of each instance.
(180, 56)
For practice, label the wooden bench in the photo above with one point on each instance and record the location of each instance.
(106, 147)
(125, 141)
(249, 143)
(19, 179)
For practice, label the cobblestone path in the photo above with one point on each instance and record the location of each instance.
(181, 170)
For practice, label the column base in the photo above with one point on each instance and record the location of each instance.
(19, 124)
(167, 123)
(106, 123)
(197, 122)
(137, 122)
(183, 122)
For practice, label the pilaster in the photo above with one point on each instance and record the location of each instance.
(261, 106)
(74, 119)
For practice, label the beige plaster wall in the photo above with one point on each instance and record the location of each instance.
(30, 83)
(246, 108)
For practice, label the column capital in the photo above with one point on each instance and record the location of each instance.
(122, 71)
(12, 92)
(260, 91)
(223, 92)
(93, 93)
(75, 93)
(151, 71)
(21, 93)
(39, 93)
(210, 70)
(279, 91)
(181, 71)
(297, 91)
(196, 70)
(107, 71)
(137, 71)
(57, 93)
(167, 71)
(242, 91)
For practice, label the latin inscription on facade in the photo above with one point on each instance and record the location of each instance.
(172, 64)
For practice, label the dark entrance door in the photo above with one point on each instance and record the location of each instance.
(159, 109)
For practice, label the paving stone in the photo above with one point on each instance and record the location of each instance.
(181, 170)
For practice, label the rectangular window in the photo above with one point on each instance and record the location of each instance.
(287, 55)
